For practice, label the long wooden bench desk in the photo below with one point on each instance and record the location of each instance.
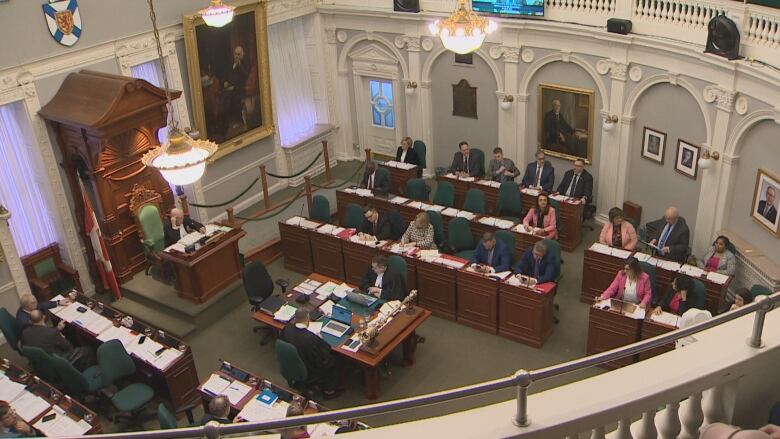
(400, 173)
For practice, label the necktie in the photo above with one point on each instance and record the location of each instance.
(538, 175)
(466, 163)
(573, 186)
(766, 209)
(490, 257)
(371, 181)
(375, 227)
(665, 235)
(536, 268)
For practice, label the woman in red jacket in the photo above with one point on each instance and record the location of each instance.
(542, 218)
(630, 285)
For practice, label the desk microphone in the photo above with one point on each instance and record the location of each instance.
(300, 216)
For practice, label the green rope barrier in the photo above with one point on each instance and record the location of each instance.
(300, 172)
(346, 181)
(276, 211)
(231, 200)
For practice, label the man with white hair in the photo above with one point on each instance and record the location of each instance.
(29, 303)
(673, 238)
(179, 226)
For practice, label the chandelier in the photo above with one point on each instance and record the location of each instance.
(217, 14)
(181, 160)
(463, 31)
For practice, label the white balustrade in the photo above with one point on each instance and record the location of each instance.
(669, 422)
(692, 417)
(714, 406)
(646, 426)
(624, 429)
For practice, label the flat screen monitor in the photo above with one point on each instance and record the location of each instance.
(510, 8)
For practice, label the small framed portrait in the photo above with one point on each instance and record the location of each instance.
(687, 162)
(565, 121)
(765, 203)
(654, 145)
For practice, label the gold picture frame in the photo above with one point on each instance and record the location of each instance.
(230, 78)
(766, 216)
(567, 133)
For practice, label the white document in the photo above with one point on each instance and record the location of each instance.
(514, 281)
(669, 265)
(436, 207)
(9, 389)
(488, 220)
(364, 192)
(215, 385)
(93, 322)
(29, 406)
(309, 225)
(503, 224)
(451, 175)
(406, 165)
(337, 230)
(319, 431)
(717, 277)
(450, 211)
(429, 254)
(602, 303)
(691, 270)
(350, 190)
(236, 391)
(285, 313)
(451, 263)
(666, 318)
(256, 411)
(391, 163)
(426, 207)
(175, 247)
(212, 228)
(415, 204)
(166, 358)
(466, 214)
(341, 290)
(601, 248)
(124, 335)
(620, 253)
(532, 192)
(294, 221)
(389, 308)
(468, 178)
(638, 314)
(327, 308)
(642, 257)
(69, 313)
(398, 200)
(326, 229)
(315, 328)
(327, 289)
(62, 425)
(503, 274)
(145, 351)
(558, 197)
(520, 228)
(355, 347)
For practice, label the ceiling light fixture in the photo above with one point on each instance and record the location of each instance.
(463, 31)
(217, 14)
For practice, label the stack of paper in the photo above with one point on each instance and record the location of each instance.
(716, 277)
(488, 220)
(212, 228)
(451, 175)
(520, 228)
(450, 211)
(405, 165)
(669, 265)
(620, 253)
(436, 207)
(502, 274)
(309, 225)
(429, 254)
(327, 308)
(514, 281)
(643, 257)
(666, 318)
(558, 197)
(190, 238)
(93, 322)
(391, 163)
(166, 358)
(304, 288)
(70, 312)
(451, 263)
(364, 192)
(285, 313)
(415, 204)
(236, 391)
(215, 385)
(315, 328)
(424, 206)
(175, 247)
(256, 411)
(326, 229)
(690, 270)
(350, 190)
(503, 224)
(468, 178)
(294, 221)
(146, 351)
(319, 431)
(601, 248)
(28, 405)
(9, 389)
(62, 425)
(532, 192)
(341, 290)
(124, 335)
(337, 230)
(398, 200)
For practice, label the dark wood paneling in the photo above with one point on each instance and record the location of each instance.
(609, 330)
(296, 247)
(436, 289)
(525, 315)
(357, 260)
(477, 301)
(326, 253)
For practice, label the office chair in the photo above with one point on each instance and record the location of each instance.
(73, 382)
(292, 367)
(475, 201)
(507, 238)
(258, 286)
(438, 226)
(166, 418)
(461, 240)
(445, 194)
(8, 326)
(320, 209)
(755, 290)
(509, 205)
(398, 264)
(115, 363)
(42, 364)
(416, 189)
(656, 295)
(419, 148)
(353, 217)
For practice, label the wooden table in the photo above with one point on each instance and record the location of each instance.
(296, 246)
(399, 177)
(570, 229)
(651, 329)
(74, 409)
(525, 315)
(401, 330)
(196, 278)
(608, 330)
(477, 297)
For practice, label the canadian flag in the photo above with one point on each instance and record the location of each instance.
(92, 229)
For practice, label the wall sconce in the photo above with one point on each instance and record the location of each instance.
(411, 86)
(609, 122)
(506, 102)
(704, 160)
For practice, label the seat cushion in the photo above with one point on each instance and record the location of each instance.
(94, 378)
(465, 254)
(132, 397)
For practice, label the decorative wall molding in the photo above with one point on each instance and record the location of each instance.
(13, 260)
(635, 73)
(370, 36)
(724, 98)
(341, 36)
(741, 105)
(427, 44)
(429, 61)
(617, 68)
(510, 54)
(411, 43)
(528, 55)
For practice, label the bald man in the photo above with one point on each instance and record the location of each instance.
(29, 303)
(219, 410)
(673, 238)
(179, 226)
(51, 340)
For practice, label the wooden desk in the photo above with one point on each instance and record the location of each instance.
(525, 315)
(570, 229)
(524, 241)
(477, 301)
(296, 246)
(491, 194)
(196, 278)
(399, 177)
(404, 327)
(437, 289)
(327, 255)
(598, 271)
(460, 186)
(609, 330)
(715, 297)
(357, 260)
(74, 409)
(651, 329)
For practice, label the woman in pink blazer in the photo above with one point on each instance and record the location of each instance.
(625, 238)
(542, 216)
(631, 285)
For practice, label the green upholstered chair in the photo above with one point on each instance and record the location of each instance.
(42, 364)
(166, 418)
(382, 171)
(8, 326)
(445, 194)
(480, 156)
(557, 206)
(398, 264)
(507, 238)
(650, 270)
(475, 201)
(509, 205)
(698, 297)
(320, 209)
(75, 383)
(416, 189)
(48, 275)
(146, 208)
(760, 290)
(460, 239)
(555, 247)
(353, 217)
(419, 148)
(633, 222)
(291, 366)
(115, 363)
(438, 226)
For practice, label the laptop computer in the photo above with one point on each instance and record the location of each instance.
(362, 299)
(340, 323)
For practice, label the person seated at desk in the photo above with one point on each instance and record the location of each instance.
(321, 365)
(680, 297)
(12, 424)
(219, 411)
(631, 284)
(180, 226)
(501, 169)
(383, 282)
(419, 233)
(405, 153)
(294, 409)
(538, 263)
(539, 174)
(463, 163)
(375, 181)
(742, 297)
(672, 239)
(491, 255)
(540, 219)
(51, 340)
(375, 225)
(29, 303)
(618, 232)
(719, 258)
(577, 183)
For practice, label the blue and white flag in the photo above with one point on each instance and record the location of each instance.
(64, 21)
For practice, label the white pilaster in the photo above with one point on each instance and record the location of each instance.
(11, 255)
(613, 159)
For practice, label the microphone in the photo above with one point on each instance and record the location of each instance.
(300, 215)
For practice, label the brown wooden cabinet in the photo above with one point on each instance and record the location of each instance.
(326, 253)
(525, 315)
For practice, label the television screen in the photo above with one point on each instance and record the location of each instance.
(509, 7)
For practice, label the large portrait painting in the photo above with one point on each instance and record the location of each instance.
(230, 79)
(765, 203)
(566, 121)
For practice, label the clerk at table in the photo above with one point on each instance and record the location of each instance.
(618, 232)
(321, 365)
(577, 183)
(539, 174)
(538, 263)
(375, 181)
(179, 226)
(673, 237)
(405, 153)
(383, 282)
(680, 297)
(541, 218)
(631, 284)
(491, 253)
(463, 163)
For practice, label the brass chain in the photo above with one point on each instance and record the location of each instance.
(173, 124)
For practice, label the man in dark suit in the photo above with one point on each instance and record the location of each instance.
(491, 253)
(179, 226)
(375, 181)
(672, 239)
(577, 183)
(29, 303)
(321, 365)
(219, 410)
(560, 136)
(405, 153)
(375, 224)
(766, 207)
(463, 163)
(539, 174)
(383, 282)
(51, 340)
(538, 263)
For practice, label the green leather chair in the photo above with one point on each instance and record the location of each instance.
(475, 201)
(445, 194)
(698, 297)
(633, 223)
(166, 418)
(42, 364)
(419, 148)
(320, 209)
(291, 366)
(557, 206)
(75, 383)
(480, 156)
(353, 218)
(509, 205)
(115, 363)
(146, 208)
(555, 247)
(382, 171)
(398, 264)
(416, 189)
(650, 270)
(48, 275)
(755, 290)
(507, 238)
(460, 238)
(8, 326)
(438, 226)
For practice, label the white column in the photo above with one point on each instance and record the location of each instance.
(613, 158)
(521, 119)
(507, 119)
(426, 123)
(413, 107)
(11, 255)
(338, 85)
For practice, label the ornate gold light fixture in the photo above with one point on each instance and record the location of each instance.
(217, 14)
(463, 31)
(181, 160)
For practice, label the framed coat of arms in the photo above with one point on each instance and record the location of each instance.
(64, 21)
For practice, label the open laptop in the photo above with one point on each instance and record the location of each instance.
(362, 299)
(340, 323)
